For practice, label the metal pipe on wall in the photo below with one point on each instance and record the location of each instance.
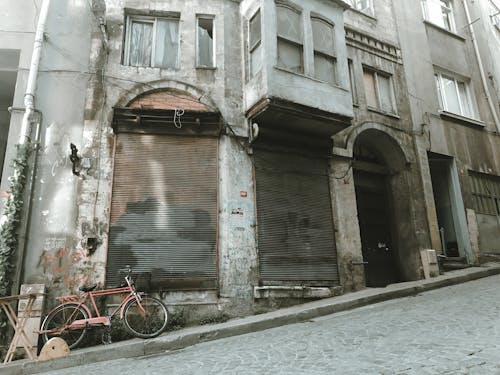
(29, 96)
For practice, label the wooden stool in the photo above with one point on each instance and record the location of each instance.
(18, 323)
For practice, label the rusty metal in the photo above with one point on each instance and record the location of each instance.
(296, 237)
(164, 210)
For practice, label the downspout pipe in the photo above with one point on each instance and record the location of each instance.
(481, 68)
(29, 97)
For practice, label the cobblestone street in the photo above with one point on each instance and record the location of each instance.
(453, 330)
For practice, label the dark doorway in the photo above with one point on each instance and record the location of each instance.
(375, 222)
(450, 211)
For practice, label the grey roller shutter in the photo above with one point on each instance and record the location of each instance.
(164, 210)
(295, 227)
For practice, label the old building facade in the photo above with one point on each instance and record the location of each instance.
(244, 155)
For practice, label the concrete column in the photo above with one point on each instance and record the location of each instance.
(238, 271)
(345, 218)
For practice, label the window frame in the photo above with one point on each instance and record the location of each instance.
(352, 82)
(214, 43)
(448, 9)
(289, 41)
(328, 56)
(252, 47)
(485, 191)
(355, 4)
(131, 18)
(442, 100)
(392, 95)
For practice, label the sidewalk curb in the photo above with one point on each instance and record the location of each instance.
(295, 314)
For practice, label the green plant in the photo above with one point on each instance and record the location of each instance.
(11, 219)
(219, 317)
(176, 320)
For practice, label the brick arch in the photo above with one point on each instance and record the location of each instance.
(168, 99)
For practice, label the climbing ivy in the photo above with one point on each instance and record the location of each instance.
(10, 223)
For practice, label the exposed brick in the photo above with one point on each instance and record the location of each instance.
(171, 99)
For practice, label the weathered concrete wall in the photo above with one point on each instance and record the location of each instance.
(47, 245)
(221, 90)
(237, 222)
(471, 145)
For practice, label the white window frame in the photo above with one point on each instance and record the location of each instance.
(392, 96)
(153, 21)
(214, 41)
(438, 76)
(446, 7)
(358, 5)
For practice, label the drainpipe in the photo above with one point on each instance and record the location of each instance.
(29, 96)
(481, 69)
(31, 117)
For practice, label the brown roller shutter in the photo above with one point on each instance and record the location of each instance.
(295, 228)
(164, 210)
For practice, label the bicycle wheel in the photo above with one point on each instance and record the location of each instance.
(147, 325)
(60, 317)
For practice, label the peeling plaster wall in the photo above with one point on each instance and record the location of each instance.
(50, 250)
(221, 90)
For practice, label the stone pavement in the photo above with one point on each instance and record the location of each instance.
(453, 330)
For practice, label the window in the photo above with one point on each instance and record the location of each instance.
(324, 59)
(379, 91)
(439, 12)
(364, 6)
(485, 193)
(453, 95)
(352, 83)
(290, 44)
(254, 44)
(205, 42)
(152, 42)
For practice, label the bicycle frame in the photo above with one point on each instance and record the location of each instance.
(98, 319)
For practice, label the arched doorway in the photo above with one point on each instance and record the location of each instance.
(378, 169)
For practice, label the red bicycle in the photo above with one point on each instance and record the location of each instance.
(142, 315)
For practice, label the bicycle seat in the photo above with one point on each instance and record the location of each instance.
(88, 288)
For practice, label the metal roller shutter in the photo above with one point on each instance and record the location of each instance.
(164, 210)
(295, 227)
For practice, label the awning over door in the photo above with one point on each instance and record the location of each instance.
(295, 227)
(164, 210)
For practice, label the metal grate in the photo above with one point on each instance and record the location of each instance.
(164, 210)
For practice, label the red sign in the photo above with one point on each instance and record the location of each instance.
(243, 194)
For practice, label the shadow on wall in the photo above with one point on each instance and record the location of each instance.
(171, 241)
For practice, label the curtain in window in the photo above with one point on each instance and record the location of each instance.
(464, 100)
(140, 44)
(167, 43)
(205, 42)
(450, 92)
